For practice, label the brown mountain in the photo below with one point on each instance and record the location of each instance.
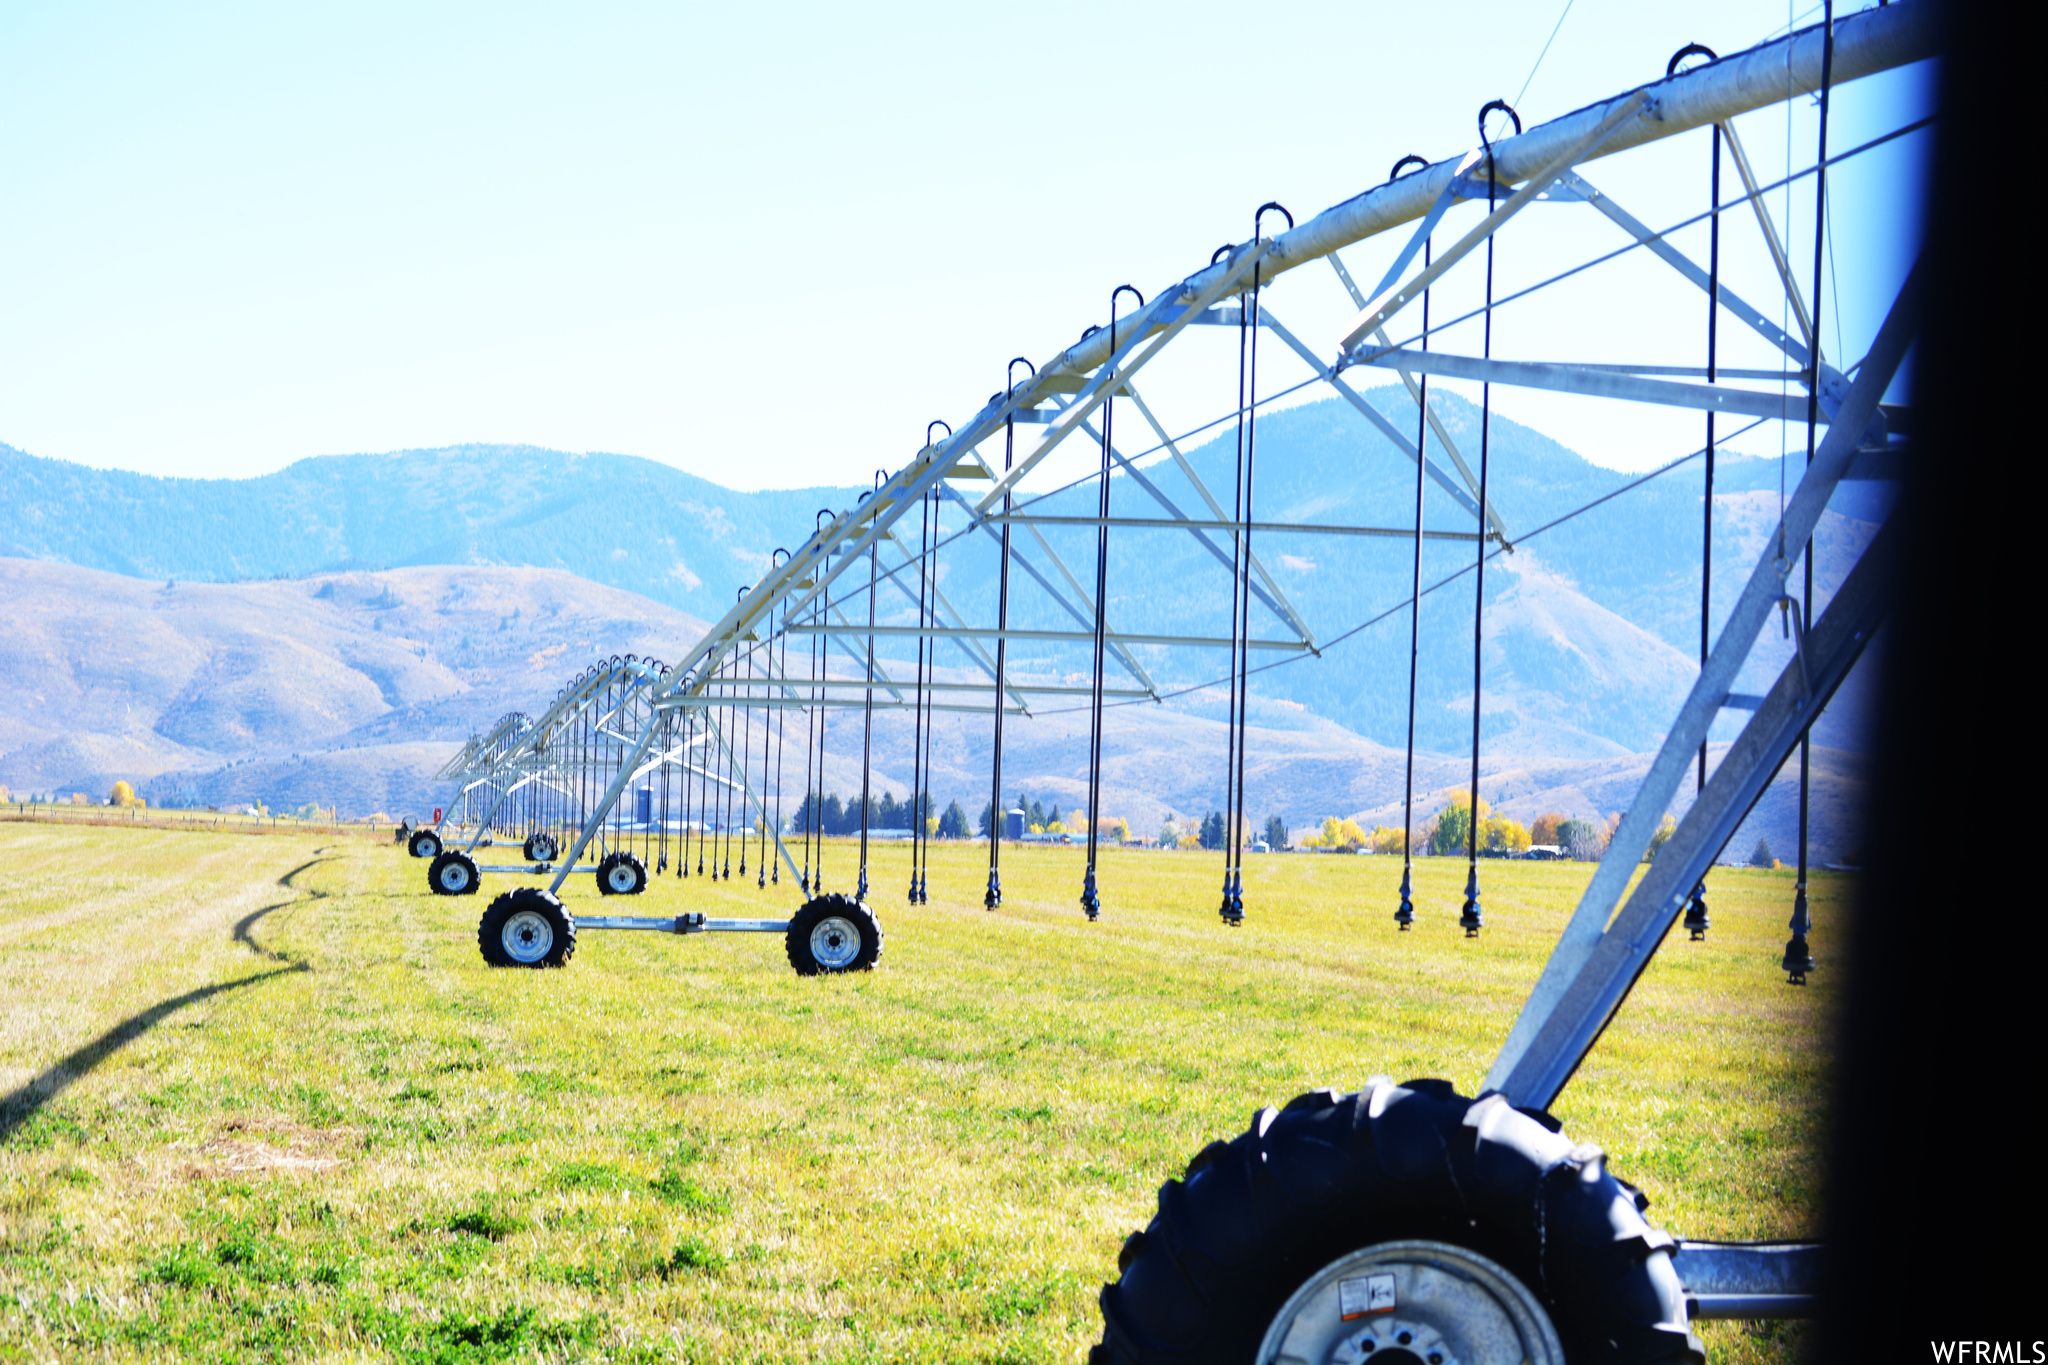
(346, 689)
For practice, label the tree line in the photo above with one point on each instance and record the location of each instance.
(828, 814)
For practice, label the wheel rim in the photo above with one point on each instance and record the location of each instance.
(544, 849)
(527, 937)
(1413, 1301)
(430, 848)
(622, 878)
(454, 877)
(835, 943)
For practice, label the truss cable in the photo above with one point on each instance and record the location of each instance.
(1236, 831)
(1556, 28)
(737, 737)
(924, 536)
(663, 746)
(707, 804)
(814, 798)
(1231, 911)
(746, 741)
(815, 822)
(927, 658)
(814, 744)
(1471, 919)
(1697, 921)
(923, 799)
(582, 761)
(867, 726)
(1404, 915)
(781, 723)
(1091, 901)
(704, 768)
(992, 898)
(1798, 959)
(762, 659)
(1240, 831)
(647, 719)
(683, 835)
(765, 688)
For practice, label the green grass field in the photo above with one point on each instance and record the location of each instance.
(268, 1102)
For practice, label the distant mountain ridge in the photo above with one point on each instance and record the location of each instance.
(352, 689)
(1625, 575)
(689, 543)
(1591, 626)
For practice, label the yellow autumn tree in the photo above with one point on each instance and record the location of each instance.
(1454, 824)
(1339, 833)
(123, 795)
(1501, 834)
(1665, 829)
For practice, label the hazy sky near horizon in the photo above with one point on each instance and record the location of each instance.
(763, 244)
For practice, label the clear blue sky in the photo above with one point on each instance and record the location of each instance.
(765, 244)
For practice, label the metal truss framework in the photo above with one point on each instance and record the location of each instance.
(620, 727)
(631, 721)
(821, 588)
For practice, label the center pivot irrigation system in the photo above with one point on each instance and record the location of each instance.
(1402, 1222)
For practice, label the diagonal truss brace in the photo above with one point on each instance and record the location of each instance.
(1829, 650)
(1267, 589)
(1334, 378)
(1674, 759)
(747, 785)
(1375, 314)
(1059, 598)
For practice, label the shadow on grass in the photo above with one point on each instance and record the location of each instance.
(248, 921)
(21, 1106)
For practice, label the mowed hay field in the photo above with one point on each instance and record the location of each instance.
(265, 1101)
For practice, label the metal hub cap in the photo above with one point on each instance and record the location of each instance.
(835, 943)
(621, 877)
(1411, 1303)
(544, 849)
(430, 848)
(527, 936)
(454, 877)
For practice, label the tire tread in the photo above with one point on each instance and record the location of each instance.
(1257, 1215)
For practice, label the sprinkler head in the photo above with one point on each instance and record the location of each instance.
(1470, 919)
(1798, 960)
(1089, 900)
(992, 898)
(1696, 921)
(1405, 916)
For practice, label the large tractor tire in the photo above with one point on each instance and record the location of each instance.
(621, 874)
(424, 843)
(834, 933)
(1287, 1235)
(527, 927)
(541, 847)
(453, 874)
